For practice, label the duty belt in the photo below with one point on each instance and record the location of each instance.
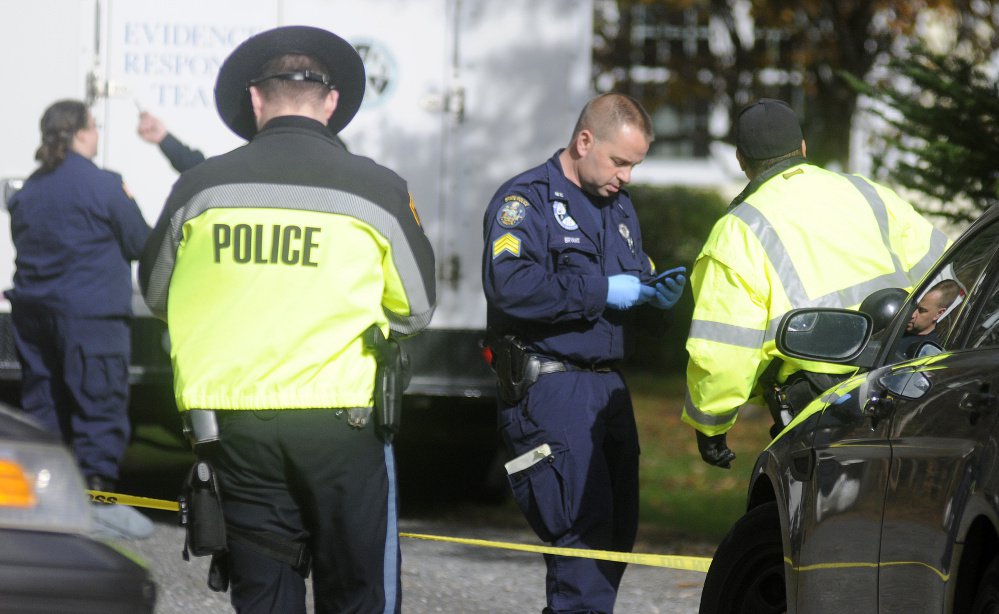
(560, 366)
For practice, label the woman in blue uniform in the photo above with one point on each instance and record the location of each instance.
(75, 229)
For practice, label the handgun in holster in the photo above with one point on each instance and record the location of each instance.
(515, 367)
(776, 397)
(200, 507)
(781, 400)
(391, 379)
(785, 400)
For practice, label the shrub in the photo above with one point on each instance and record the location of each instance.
(675, 223)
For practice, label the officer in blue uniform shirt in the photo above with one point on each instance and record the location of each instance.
(566, 282)
(75, 230)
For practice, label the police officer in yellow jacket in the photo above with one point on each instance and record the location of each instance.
(269, 263)
(797, 236)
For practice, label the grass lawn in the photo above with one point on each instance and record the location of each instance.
(683, 499)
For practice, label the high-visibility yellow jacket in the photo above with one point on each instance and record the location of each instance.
(269, 262)
(799, 236)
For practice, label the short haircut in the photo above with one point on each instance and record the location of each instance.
(608, 112)
(285, 89)
(948, 290)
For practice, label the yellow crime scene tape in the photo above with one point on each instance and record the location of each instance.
(111, 498)
(682, 563)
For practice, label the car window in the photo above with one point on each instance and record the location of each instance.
(984, 332)
(943, 302)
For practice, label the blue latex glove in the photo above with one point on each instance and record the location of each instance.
(625, 291)
(668, 292)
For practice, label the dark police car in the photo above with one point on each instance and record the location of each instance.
(883, 494)
(48, 561)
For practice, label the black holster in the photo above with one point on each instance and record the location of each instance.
(294, 553)
(515, 367)
(200, 506)
(790, 397)
(391, 379)
(786, 399)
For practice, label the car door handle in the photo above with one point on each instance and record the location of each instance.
(977, 403)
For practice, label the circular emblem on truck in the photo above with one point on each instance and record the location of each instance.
(380, 69)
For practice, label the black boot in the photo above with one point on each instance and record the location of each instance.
(103, 484)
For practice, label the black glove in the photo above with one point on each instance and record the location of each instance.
(715, 451)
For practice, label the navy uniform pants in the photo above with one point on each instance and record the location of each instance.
(586, 494)
(74, 380)
(306, 476)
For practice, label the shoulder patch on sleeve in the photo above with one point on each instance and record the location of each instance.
(517, 198)
(513, 211)
(506, 243)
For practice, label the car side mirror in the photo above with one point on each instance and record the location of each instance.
(824, 334)
(923, 349)
(909, 384)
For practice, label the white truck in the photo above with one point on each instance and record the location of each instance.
(461, 95)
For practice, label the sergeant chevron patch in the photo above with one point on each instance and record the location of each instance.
(506, 243)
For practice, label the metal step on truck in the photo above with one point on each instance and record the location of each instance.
(461, 95)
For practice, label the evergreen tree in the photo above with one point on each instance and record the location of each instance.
(941, 138)
(696, 58)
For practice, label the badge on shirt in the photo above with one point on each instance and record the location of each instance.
(512, 213)
(626, 235)
(506, 243)
(562, 216)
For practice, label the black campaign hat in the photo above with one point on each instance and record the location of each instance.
(246, 62)
(767, 129)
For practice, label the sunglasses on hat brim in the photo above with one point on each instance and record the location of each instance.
(302, 75)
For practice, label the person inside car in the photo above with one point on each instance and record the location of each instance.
(922, 325)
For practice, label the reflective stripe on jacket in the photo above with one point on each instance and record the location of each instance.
(267, 279)
(806, 237)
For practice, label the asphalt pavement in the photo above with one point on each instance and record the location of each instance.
(436, 576)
